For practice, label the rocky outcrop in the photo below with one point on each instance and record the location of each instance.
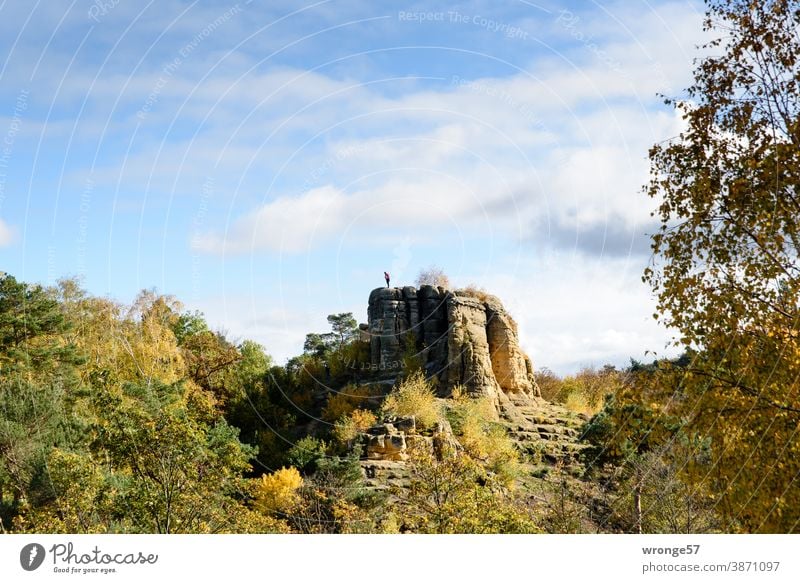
(512, 368)
(394, 439)
(469, 340)
(460, 338)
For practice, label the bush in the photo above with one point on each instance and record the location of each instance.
(277, 492)
(476, 292)
(455, 495)
(306, 453)
(348, 428)
(482, 438)
(549, 384)
(414, 396)
(583, 392)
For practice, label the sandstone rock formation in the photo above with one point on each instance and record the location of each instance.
(461, 339)
(464, 339)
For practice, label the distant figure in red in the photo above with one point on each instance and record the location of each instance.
(386, 277)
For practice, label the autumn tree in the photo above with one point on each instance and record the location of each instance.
(434, 276)
(455, 494)
(726, 269)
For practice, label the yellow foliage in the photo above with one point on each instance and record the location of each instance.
(414, 396)
(346, 401)
(277, 492)
(455, 495)
(483, 439)
(347, 428)
(583, 392)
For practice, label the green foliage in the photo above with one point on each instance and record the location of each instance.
(306, 453)
(455, 494)
(653, 494)
(31, 329)
(189, 324)
(344, 327)
(39, 386)
(653, 464)
(334, 499)
(184, 473)
(483, 439)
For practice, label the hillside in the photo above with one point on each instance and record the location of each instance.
(426, 418)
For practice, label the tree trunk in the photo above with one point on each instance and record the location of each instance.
(637, 503)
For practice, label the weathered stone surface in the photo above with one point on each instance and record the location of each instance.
(460, 339)
(469, 363)
(395, 438)
(387, 325)
(512, 368)
(387, 447)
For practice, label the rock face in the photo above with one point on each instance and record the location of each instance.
(462, 339)
(395, 438)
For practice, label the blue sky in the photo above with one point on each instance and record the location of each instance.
(265, 162)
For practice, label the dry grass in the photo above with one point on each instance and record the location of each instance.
(476, 292)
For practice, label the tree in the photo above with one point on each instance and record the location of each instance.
(456, 495)
(648, 460)
(344, 327)
(38, 388)
(175, 472)
(726, 269)
(434, 276)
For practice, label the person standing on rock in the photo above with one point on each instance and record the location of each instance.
(386, 277)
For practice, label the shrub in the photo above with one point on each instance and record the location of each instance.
(583, 392)
(476, 292)
(414, 396)
(456, 495)
(306, 452)
(482, 438)
(549, 384)
(277, 492)
(348, 428)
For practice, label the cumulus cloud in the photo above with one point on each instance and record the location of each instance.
(577, 310)
(554, 154)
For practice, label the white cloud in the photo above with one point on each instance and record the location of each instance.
(6, 234)
(568, 138)
(287, 224)
(575, 311)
